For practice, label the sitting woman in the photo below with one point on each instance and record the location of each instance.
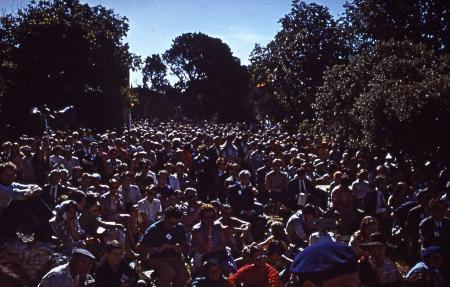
(208, 241)
(278, 233)
(65, 224)
(369, 225)
(377, 269)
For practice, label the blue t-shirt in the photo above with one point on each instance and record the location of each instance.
(156, 235)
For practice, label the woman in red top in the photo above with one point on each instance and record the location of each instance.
(257, 274)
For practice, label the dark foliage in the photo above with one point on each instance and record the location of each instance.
(65, 53)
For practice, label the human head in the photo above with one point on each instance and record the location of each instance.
(7, 173)
(151, 191)
(190, 194)
(244, 177)
(114, 252)
(277, 164)
(113, 186)
(257, 255)
(327, 264)
(172, 216)
(207, 214)
(54, 176)
(81, 261)
(437, 208)
(369, 225)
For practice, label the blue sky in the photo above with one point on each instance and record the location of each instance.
(155, 23)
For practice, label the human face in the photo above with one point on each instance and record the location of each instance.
(172, 222)
(114, 256)
(372, 228)
(208, 218)
(259, 259)
(95, 209)
(113, 188)
(81, 265)
(227, 213)
(8, 176)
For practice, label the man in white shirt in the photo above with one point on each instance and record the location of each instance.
(149, 207)
(15, 208)
(71, 273)
(130, 192)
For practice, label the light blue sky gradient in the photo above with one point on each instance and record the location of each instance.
(155, 23)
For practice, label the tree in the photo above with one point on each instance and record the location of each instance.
(67, 53)
(420, 21)
(394, 96)
(291, 66)
(211, 79)
(155, 73)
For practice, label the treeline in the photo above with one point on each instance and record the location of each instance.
(375, 77)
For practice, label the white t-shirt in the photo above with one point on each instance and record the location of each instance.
(149, 209)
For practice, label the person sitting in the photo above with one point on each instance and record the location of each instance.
(208, 240)
(149, 207)
(237, 231)
(113, 270)
(65, 224)
(258, 273)
(378, 269)
(163, 243)
(16, 202)
(426, 272)
(369, 225)
(72, 274)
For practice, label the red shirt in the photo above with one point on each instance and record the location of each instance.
(255, 277)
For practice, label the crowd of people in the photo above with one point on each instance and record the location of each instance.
(206, 204)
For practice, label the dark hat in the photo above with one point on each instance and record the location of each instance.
(427, 252)
(325, 260)
(81, 251)
(375, 239)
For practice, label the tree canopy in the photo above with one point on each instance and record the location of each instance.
(66, 53)
(212, 81)
(393, 96)
(290, 67)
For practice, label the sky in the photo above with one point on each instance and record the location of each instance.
(153, 24)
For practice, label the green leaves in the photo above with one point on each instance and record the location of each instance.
(389, 93)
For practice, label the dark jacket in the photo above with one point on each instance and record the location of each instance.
(106, 276)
